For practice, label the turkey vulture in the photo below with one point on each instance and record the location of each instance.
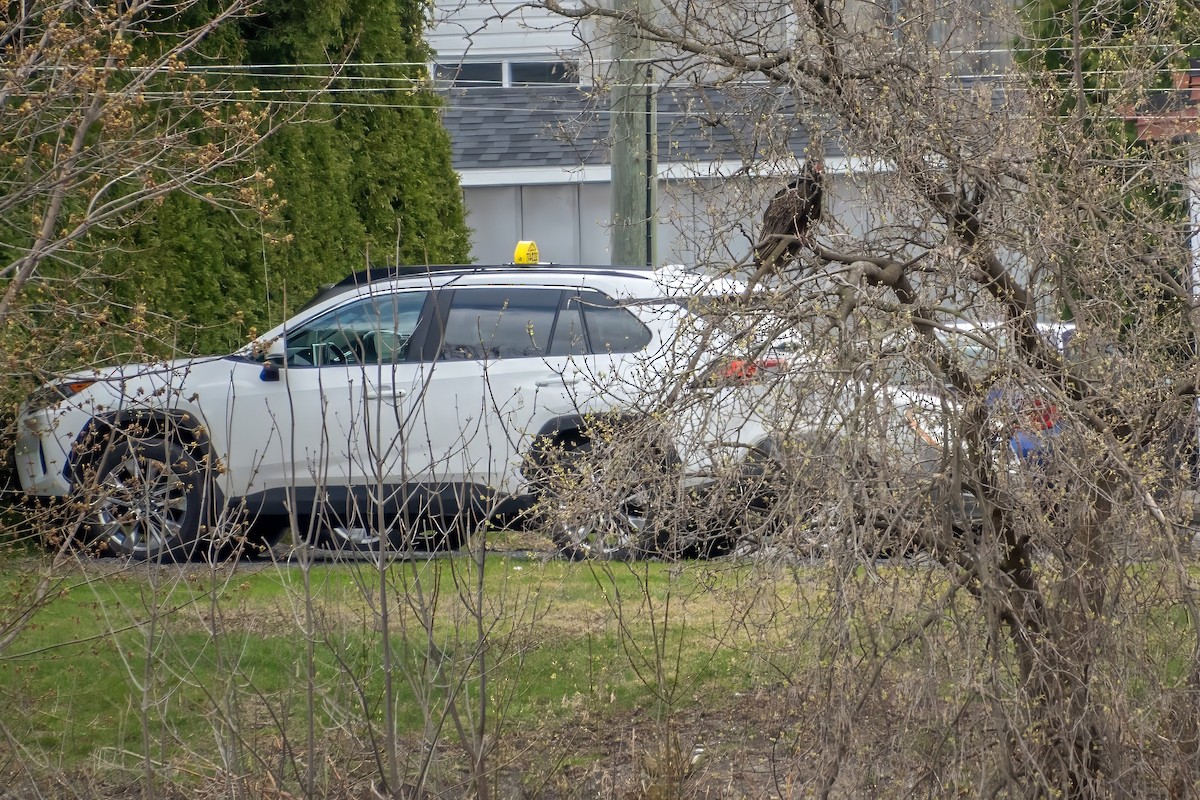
(788, 217)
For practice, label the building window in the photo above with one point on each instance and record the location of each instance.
(470, 73)
(530, 73)
(466, 74)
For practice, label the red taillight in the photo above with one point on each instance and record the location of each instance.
(744, 371)
(1043, 415)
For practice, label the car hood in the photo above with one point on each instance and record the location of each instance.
(171, 371)
(140, 384)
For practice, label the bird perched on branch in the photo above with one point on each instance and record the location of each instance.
(789, 216)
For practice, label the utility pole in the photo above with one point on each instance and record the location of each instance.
(1193, 197)
(633, 128)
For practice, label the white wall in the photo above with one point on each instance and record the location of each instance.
(568, 221)
(474, 29)
(700, 222)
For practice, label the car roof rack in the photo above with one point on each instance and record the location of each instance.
(371, 275)
(374, 274)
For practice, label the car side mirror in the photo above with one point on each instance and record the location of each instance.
(270, 371)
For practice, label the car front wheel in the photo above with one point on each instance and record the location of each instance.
(147, 500)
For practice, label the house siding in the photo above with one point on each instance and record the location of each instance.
(473, 29)
(698, 222)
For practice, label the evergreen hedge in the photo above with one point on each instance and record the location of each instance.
(363, 173)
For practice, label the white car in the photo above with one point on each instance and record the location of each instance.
(430, 393)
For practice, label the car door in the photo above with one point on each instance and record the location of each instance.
(488, 382)
(335, 421)
(600, 338)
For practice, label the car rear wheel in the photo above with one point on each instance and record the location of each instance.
(147, 500)
(617, 535)
(576, 476)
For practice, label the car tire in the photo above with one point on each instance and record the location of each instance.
(147, 500)
(613, 534)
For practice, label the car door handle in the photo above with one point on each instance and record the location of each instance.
(386, 392)
(559, 380)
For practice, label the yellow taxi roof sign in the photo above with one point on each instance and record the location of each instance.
(526, 252)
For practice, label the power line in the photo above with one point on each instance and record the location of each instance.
(339, 69)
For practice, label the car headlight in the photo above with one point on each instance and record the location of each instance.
(53, 393)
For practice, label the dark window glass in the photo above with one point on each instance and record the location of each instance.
(524, 73)
(610, 328)
(372, 330)
(469, 74)
(500, 323)
(568, 331)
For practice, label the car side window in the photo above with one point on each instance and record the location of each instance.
(569, 338)
(371, 330)
(501, 322)
(611, 328)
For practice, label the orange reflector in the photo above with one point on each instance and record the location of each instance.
(741, 370)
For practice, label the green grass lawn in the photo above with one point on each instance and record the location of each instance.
(129, 660)
(196, 674)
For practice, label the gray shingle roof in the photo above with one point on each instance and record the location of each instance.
(567, 126)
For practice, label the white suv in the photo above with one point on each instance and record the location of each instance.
(429, 393)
